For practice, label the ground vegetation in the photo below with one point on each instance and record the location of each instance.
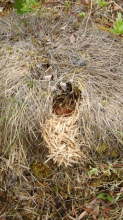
(61, 121)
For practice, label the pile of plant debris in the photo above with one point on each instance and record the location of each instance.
(60, 84)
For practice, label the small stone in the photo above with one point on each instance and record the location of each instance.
(39, 65)
(79, 62)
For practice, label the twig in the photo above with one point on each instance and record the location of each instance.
(89, 15)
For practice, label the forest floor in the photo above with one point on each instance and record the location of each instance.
(61, 161)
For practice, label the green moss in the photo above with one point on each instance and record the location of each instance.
(41, 171)
(114, 153)
(102, 148)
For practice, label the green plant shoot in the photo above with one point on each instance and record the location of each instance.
(118, 196)
(93, 171)
(82, 14)
(67, 4)
(118, 27)
(26, 6)
(105, 196)
(102, 3)
(18, 5)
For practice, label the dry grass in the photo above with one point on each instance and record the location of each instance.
(92, 133)
(61, 135)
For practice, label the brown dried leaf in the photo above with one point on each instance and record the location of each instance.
(90, 211)
(88, 206)
(72, 39)
(106, 209)
(82, 215)
(60, 46)
(86, 2)
(73, 210)
(120, 203)
(93, 207)
(116, 7)
(60, 111)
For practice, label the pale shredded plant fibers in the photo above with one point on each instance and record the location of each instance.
(61, 135)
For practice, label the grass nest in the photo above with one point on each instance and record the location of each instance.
(93, 62)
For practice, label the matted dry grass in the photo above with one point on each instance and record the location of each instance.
(92, 133)
(27, 97)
